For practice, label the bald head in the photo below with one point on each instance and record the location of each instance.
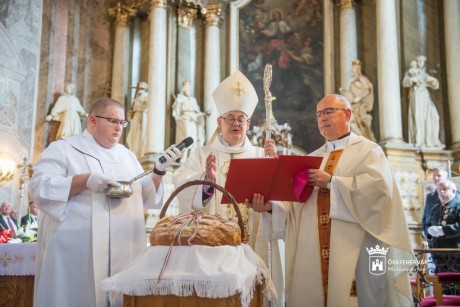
(102, 104)
(333, 116)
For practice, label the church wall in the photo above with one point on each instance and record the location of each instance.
(20, 29)
(76, 48)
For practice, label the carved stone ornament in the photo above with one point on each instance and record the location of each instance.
(212, 15)
(122, 14)
(186, 16)
(158, 4)
(346, 4)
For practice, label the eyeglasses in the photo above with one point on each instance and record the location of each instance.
(327, 112)
(231, 120)
(114, 121)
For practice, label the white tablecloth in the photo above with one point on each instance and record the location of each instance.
(17, 259)
(213, 272)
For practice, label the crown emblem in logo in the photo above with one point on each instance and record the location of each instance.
(377, 250)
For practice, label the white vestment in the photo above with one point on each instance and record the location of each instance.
(366, 210)
(88, 237)
(191, 198)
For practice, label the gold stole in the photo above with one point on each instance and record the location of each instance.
(324, 221)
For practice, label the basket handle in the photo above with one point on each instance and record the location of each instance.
(244, 237)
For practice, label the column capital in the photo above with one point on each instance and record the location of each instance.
(121, 13)
(212, 14)
(158, 4)
(186, 16)
(346, 4)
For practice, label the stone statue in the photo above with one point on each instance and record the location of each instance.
(189, 119)
(423, 116)
(68, 111)
(361, 97)
(138, 120)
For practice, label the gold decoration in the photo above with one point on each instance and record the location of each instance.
(346, 4)
(7, 168)
(325, 253)
(186, 16)
(162, 4)
(122, 13)
(212, 15)
(238, 89)
(6, 259)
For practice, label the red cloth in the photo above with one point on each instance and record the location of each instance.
(448, 300)
(301, 189)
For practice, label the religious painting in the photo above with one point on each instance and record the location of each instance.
(289, 36)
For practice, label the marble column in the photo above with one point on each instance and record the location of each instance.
(348, 42)
(121, 13)
(212, 22)
(388, 73)
(156, 112)
(136, 57)
(329, 84)
(452, 42)
(186, 45)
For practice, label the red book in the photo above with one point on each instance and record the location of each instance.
(271, 177)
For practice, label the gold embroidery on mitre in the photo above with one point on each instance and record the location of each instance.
(238, 89)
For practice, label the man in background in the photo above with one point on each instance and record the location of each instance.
(31, 216)
(439, 175)
(6, 221)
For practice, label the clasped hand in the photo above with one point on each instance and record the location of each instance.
(318, 178)
(258, 204)
(435, 231)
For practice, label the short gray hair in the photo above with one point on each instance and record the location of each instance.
(448, 184)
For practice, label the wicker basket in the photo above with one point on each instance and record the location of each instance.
(186, 301)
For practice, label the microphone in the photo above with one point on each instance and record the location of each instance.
(184, 144)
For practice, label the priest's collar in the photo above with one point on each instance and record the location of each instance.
(221, 139)
(339, 143)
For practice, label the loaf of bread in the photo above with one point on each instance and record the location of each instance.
(211, 231)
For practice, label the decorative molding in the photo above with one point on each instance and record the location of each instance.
(346, 4)
(186, 16)
(212, 15)
(122, 14)
(161, 4)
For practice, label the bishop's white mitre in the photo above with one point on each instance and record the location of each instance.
(236, 93)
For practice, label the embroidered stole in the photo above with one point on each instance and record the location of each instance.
(324, 221)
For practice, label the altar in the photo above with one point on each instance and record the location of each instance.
(17, 273)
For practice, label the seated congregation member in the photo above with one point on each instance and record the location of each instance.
(6, 221)
(235, 99)
(85, 236)
(355, 209)
(444, 224)
(32, 215)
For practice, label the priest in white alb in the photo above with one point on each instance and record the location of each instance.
(348, 244)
